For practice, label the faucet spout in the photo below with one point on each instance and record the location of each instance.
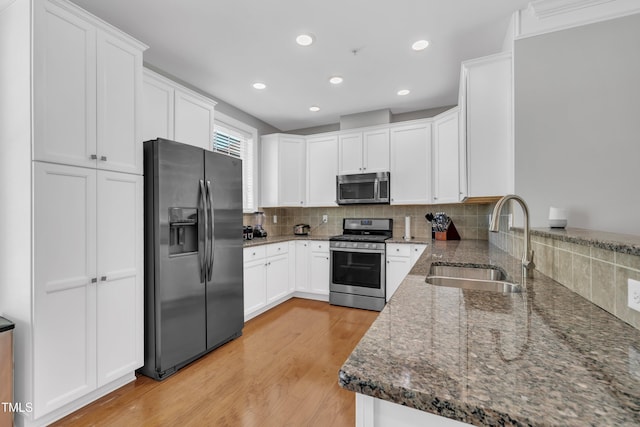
(527, 256)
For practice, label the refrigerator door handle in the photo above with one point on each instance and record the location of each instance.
(202, 254)
(212, 240)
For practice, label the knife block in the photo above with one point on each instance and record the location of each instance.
(450, 234)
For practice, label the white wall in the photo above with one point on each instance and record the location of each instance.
(577, 124)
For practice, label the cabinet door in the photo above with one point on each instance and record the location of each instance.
(157, 111)
(302, 266)
(322, 168)
(120, 282)
(292, 266)
(416, 252)
(119, 93)
(350, 153)
(64, 285)
(411, 164)
(489, 135)
(254, 285)
(446, 187)
(277, 277)
(64, 87)
(193, 120)
(319, 268)
(376, 151)
(397, 270)
(291, 171)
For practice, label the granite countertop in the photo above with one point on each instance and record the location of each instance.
(543, 357)
(257, 241)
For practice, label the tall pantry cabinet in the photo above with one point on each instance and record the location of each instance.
(71, 253)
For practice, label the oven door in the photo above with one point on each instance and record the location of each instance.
(358, 272)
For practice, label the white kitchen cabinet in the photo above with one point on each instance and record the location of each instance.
(302, 266)
(322, 168)
(87, 91)
(292, 266)
(487, 148)
(266, 277)
(283, 165)
(319, 268)
(364, 151)
(411, 163)
(446, 162)
(75, 279)
(87, 281)
(174, 112)
(401, 257)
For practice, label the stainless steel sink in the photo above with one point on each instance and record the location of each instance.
(480, 278)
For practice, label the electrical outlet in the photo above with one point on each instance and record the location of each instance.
(275, 219)
(325, 219)
(633, 294)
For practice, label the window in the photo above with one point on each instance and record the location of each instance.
(238, 140)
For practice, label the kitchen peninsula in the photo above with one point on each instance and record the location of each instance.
(543, 357)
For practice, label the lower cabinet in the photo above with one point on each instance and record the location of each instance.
(88, 282)
(266, 277)
(319, 268)
(401, 257)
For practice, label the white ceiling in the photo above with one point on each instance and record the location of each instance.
(223, 46)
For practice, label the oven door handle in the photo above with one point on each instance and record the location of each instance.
(366, 251)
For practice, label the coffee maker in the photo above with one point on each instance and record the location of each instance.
(258, 229)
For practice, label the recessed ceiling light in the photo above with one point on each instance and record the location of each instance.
(336, 80)
(404, 92)
(259, 86)
(314, 108)
(305, 39)
(420, 45)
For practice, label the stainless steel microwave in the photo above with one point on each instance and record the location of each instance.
(364, 188)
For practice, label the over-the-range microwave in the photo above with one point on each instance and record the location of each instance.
(363, 188)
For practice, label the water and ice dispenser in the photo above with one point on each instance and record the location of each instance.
(183, 230)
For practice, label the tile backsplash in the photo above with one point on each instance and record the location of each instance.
(471, 220)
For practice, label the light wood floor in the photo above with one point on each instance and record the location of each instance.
(283, 371)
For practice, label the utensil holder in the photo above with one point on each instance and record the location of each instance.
(449, 234)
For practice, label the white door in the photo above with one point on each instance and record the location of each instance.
(322, 168)
(446, 176)
(119, 93)
(319, 268)
(291, 175)
(277, 277)
(120, 282)
(157, 110)
(350, 153)
(64, 87)
(302, 266)
(411, 164)
(376, 151)
(64, 285)
(255, 289)
(193, 120)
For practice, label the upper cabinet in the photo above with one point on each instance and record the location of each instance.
(363, 152)
(411, 163)
(446, 176)
(486, 102)
(174, 112)
(283, 161)
(87, 91)
(322, 168)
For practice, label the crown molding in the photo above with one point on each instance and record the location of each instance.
(545, 8)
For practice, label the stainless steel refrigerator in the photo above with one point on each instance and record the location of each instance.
(193, 254)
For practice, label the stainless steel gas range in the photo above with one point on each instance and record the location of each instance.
(357, 268)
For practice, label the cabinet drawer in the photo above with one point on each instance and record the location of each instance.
(277, 249)
(317, 246)
(399, 250)
(253, 253)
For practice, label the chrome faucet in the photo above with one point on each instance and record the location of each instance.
(527, 255)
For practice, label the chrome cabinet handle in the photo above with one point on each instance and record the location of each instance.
(103, 278)
(103, 158)
(94, 279)
(93, 156)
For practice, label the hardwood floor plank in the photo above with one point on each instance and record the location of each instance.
(283, 371)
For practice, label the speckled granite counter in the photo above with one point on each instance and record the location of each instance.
(544, 357)
(622, 243)
(277, 239)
